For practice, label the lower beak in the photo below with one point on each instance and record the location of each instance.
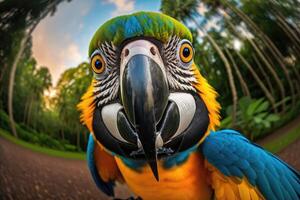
(144, 93)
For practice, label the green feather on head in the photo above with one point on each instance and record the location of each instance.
(148, 24)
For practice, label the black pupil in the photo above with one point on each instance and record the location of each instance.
(186, 52)
(98, 64)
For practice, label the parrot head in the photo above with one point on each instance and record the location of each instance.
(147, 99)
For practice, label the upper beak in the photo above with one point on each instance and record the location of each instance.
(144, 93)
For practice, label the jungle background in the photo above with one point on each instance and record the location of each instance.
(248, 50)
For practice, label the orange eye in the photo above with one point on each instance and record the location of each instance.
(98, 64)
(186, 52)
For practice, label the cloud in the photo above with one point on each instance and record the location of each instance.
(202, 9)
(71, 53)
(56, 39)
(55, 54)
(85, 8)
(122, 6)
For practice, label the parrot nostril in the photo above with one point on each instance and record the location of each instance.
(152, 50)
(126, 53)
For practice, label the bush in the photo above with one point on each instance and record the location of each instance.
(30, 135)
(27, 128)
(253, 117)
(24, 135)
(70, 147)
(47, 141)
(4, 121)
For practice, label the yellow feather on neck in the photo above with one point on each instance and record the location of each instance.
(87, 106)
(208, 95)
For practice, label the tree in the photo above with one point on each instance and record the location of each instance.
(239, 75)
(29, 15)
(258, 80)
(259, 52)
(267, 41)
(71, 86)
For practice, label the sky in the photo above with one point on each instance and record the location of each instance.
(61, 41)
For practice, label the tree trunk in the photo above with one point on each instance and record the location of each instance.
(29, 110)
(298, 89)
(267, 41)
(262, 57)
(289, 33)
(266, 77)
(15, 64)
(244, 85)
(257, 79)
(293, 37)
(291, 23)
(26, 110)
(11, 84)
(228, 70)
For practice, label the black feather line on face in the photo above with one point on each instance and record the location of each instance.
(106, 87)
(179, 77)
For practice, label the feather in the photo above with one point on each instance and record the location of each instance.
(106, 187)
(147, 24)
(264, 175)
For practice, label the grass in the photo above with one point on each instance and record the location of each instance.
(283, 141)
(44, 150)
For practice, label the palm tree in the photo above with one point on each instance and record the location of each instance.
(290, 32)
(244, 85)
(258, 80)
(266, 40)
(27, 35)
(231, 26)
(294, 10)
(265, 76)
(187, 10)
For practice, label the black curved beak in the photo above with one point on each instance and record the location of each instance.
(144, 93)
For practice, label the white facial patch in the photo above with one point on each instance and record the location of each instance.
(187, 107)
(110, 117)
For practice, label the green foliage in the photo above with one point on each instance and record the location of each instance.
(30, 135)
(253, 117)
(181, 10)
(70, 88)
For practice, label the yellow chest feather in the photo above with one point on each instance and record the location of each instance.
(187, 181)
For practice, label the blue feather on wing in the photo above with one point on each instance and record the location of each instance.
(106, 187)
(236, 156)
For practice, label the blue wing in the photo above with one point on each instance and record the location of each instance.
(106, 187)
(235, 156)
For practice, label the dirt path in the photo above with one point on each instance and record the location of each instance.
(291, 155)
(29, 175)
(25, 174)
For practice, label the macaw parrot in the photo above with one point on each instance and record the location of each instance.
(153, 119)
